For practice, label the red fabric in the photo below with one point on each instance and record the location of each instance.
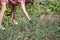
(17, 0)
(12, 0)
(20, 1)
(3, 0)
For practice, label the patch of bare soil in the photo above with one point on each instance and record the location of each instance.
(49, 16)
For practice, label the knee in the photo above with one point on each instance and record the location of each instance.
(3, 8)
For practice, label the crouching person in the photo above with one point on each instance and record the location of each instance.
(3, 9)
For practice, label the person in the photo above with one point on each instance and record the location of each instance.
(3, 9)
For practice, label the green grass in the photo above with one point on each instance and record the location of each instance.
(42, 27)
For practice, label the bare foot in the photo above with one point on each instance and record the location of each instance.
(13, 22)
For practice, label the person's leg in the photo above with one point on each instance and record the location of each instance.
(3, 8)
(24, 10)
(12, 14)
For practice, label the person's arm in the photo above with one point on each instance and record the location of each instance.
(24, 10)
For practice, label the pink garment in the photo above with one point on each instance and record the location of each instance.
(3, 0)
(12, 0)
